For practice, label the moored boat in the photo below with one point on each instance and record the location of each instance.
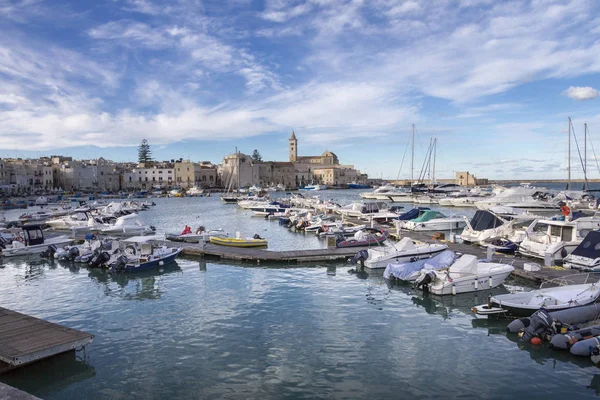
(32, 241)
(239, 242)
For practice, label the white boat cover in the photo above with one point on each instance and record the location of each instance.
(465, 265)
(405, 244)
(409, 270)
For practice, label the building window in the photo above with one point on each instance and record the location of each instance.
(204, 177)
(211, 177)
(160, 178)
(153, 179)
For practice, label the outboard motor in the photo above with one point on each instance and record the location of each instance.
(424, 279)
(152, 228)
(256, 236)
(359, 257)
(99, 259)
(3, 243)
(539, 325)
(73, 253)
(49, 252)
(119, 264)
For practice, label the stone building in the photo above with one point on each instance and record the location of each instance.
(189, 174)
(467, 179)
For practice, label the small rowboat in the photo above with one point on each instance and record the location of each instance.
(238, 242)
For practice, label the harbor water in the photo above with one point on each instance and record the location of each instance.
(206, 329)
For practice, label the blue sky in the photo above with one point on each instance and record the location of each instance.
(494, 81)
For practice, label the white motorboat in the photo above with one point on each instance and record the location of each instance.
(556, 238)
(129, 224)
(314, 187)
(77, 220)
(195, 191)
(430, 220)
(511, 196)
(378, 194)
(403, 251)
(586, 256)
(487, 224)
(32, 241)
(140, 253)
(409, 271)
(554, 295)
(466, 275)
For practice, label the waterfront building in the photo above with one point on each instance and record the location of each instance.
(189, 174)
(467, 179)
(157, 176)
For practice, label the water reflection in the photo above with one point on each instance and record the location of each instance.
(143, 285)
(52, 374)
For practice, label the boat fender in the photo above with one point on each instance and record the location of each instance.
(476, 284)
(490, 282)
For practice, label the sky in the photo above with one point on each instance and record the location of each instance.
(494, 81)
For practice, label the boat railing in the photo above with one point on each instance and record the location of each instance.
(573, 279)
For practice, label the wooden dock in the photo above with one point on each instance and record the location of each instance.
(25, 339)
(258, 255)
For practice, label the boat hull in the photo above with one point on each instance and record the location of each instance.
(384, 260)
(143, 266)
(233, 242)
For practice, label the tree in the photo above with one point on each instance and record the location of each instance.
(256, 157)
(144, 153)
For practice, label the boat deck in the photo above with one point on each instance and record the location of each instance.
(25, 339)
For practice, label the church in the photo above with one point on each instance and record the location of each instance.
(295, 173)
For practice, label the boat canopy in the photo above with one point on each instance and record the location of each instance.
(483, 220)
(427, 215)
(411, 214)
(590, 247)
(33, 234)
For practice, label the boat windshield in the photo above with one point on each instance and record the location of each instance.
(483, 220)
(590, 247)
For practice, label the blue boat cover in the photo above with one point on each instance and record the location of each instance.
(410, 270)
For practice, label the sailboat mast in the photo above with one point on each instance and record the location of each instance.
(412, 158)
(585, 156)
(237, 154)
(434, 155)
(569, 157)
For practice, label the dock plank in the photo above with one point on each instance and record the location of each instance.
(25, 339)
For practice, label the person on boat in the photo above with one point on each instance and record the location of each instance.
(187, 230)
(200, 230)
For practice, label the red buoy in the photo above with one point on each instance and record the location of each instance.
(536, 341)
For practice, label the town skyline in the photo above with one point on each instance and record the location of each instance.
(494, 82)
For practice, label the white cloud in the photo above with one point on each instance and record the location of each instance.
(581, 93)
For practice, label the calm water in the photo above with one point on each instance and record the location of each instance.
(214, 330)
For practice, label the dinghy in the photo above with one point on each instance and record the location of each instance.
(365, 237)
(554, 295)
(239, 242)
(466, 275)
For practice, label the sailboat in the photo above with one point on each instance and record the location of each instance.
(230, 197)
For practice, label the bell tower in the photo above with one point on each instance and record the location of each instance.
(293, 148)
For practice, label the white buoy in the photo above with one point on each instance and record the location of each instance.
(161, 263)
(476, 284)
(453, 289)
